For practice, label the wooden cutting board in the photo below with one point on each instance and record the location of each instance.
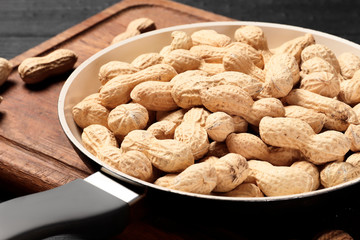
(35, 154)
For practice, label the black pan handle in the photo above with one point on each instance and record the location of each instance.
(77, 207)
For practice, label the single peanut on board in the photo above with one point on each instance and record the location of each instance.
(36, 69)
(295, 133)
(167, 155)
(135, 27)
(5, 70)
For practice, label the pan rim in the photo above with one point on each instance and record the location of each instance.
(122, 176)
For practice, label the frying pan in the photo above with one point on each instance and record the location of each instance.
(102, 201)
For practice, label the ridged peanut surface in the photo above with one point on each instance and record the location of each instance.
(295, 133)
(324, 83)
(114, 68)
(167, 155)
(135, 27)
(5, 70)
(315, 119)
(245, 190)
(36, 69)
(336, 173)
(278, 181)
(210, 37)
(349, 64)
(321, 51)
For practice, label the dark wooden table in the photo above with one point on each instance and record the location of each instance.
(25, 24)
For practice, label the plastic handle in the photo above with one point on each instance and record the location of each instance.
(77, 207)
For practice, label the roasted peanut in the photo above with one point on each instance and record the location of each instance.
(180, 40)
(316, 64)
(217, 149)
(36, 69)
(210, 37)
(316, 120)
(336, 173)
(255, 37)
(127, 117)
(117, 91)
(172, 116)
(193, 133)
(354, 159)
(5, 70)
(349, 64)
(198, 178)
(280, 180)
(287, 61)
(135, 27)
(349, 90)
(90, 111)
(154, 95)
(167, 155)
(338, 114)
(323, 83)
(231, 171)
(245, 190)
(252, 147)
(235, 101)
(219, 125)
(311, 169)
(163, 130)
(182, 60)
(96, 136)
(353, 134)
(146, 60)
(112, 69)
(295, 133)
(211, 68)
(322, 51)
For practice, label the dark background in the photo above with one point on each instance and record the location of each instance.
(26, 23)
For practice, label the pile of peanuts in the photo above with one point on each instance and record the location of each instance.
(221, 115)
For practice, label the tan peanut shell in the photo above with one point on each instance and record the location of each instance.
(127, 117)
(354, 159)
(338, 114)
(90, 111)
(240, 124)
(252, 147)
(280, 180)
(245, 190)
(295, 46)
(192, 133)
(210, 37)
(316, 64)
(36, 69)
(189, 74)
(112, 69)
(175, 116)
(336, 173)
(217, 149)
(295, 133)
(353, 134)
(255, 37)
(163, 129)
(135, 27)
(231, 171)
(96, 136)
(322, 51)
(5, 70)
(198, 178)
(349, 64)
(133, 163)
(335, 234)
(154, 96)
(311, 169)
(166, 180)
(349, 89)
(167, 155)
(211, 68)
(323, 83)
(182, 60)
(146, 60)
(316, 120)
(219, 125)
(180, 40)
(117, 91)
(235, 61)
(286, 60)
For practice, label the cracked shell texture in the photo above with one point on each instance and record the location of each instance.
(96, 136)
(280, 180)
(231, 170)
(167, 155)
(90, 111)
(127, 117)
(5, 70)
